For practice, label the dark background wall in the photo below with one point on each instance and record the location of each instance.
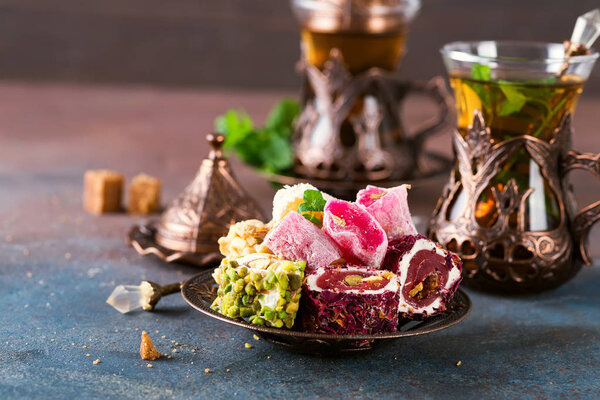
(234, 43)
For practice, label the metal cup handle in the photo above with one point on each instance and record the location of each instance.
(583, 221)
(437, 90)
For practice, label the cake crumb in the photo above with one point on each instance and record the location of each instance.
(29, 274)
(248, 345)
(552, 383)
(169, 356)
(149, 365)
(193, 350)
(174, 350)
(458, 363)
(84, 347)
(147, 349)
(163, 337)
(97, 361)
(207, 370)
(88, 354)
(268, 357)
(255, 336)
(68, 256)
(228, 370)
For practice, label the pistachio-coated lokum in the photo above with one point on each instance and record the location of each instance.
(263, 288)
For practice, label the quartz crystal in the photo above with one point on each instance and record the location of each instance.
(587, 28)
(126, 298)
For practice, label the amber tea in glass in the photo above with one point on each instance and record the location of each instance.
(513, 108)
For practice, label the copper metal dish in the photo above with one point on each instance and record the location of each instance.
(142, 238)
(200, 291)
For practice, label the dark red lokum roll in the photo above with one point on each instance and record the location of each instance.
(428, 275)
(350, 300)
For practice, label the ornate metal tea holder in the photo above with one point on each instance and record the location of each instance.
(341, 151)
(189, 228)
(506, 256)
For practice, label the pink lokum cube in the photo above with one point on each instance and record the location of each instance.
(390, 208)
(296, 238)
(358, 235)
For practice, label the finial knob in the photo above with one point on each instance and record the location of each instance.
(216, 141)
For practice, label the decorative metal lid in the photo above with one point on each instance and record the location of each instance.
(207, 207)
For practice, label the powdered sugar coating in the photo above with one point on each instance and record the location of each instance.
(296, 238)
(357, 234)
(390, 208)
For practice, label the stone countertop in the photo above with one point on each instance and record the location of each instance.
(60, 264)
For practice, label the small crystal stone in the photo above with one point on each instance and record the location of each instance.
(587, 28)
(126, 298)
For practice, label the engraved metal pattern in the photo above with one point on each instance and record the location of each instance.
(506, 256)
(203, 212)
(200, 291)
(370, 151)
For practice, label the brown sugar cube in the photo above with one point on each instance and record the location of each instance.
(144, 195)
(147, 349)
(102, 191)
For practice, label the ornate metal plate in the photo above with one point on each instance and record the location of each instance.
(200, 291)
(143, 239)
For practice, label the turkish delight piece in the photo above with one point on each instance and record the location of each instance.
(350, 300)
(296, 238)
(390, 208)
(144, 195)
(358, 235)
(102, 191)
(243, 238)
(428, 275)
(289, 198)
(260, 287)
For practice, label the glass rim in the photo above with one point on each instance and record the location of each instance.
(451, 51)
(319, 5)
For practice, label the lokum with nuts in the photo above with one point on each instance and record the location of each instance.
(260, 287)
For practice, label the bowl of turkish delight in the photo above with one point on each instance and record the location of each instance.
(327, 275)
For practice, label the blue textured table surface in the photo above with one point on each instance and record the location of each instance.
(59, 265)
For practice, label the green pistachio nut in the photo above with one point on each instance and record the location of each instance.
(269, 315)
(233, 312)
(278, 323)
(238, 286)
(292, 308)
(250, 289)
(228, 288)
(242, 271)
(246, 312)
(282, 314)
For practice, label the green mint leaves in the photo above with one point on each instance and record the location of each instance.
(267, 148)
(313, 202)
(481, 72)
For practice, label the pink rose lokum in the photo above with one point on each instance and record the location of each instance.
(390, 208)
(296, 238)
(358, 235)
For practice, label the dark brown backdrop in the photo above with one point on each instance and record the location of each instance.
(236, 43)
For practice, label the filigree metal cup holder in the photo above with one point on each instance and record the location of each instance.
(351, 129)
(505, 256)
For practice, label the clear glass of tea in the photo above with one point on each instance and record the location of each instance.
(521, 88)
(368, 33)
(508, 208)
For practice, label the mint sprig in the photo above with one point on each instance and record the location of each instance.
(313, 202)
